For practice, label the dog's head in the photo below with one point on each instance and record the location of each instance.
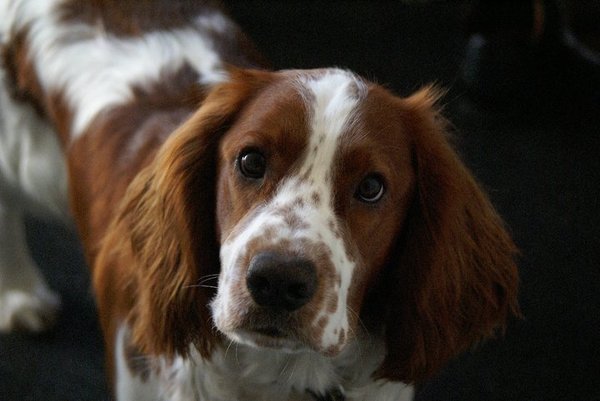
(296, 209)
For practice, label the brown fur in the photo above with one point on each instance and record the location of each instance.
(272, 121)
(133, 18)
(165, 230)
(102, 164)
(453, 279)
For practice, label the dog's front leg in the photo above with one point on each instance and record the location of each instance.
(26, 302)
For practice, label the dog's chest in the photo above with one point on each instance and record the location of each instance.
(242, 373)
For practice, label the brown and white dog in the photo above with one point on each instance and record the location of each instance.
(252, 235)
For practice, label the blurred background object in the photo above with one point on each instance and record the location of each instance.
(540, 53)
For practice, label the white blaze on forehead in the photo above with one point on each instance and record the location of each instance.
(95, 69)
(333, 100)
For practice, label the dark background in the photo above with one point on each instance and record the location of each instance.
(540, 161)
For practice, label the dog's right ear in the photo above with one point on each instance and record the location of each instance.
(165, 229)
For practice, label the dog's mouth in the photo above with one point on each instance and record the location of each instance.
(270, 331)
(268, 337)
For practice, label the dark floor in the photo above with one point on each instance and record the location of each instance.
(540, 164)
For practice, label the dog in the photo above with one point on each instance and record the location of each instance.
(251, 234)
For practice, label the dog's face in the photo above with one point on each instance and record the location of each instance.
(313, 183)
(326, 206)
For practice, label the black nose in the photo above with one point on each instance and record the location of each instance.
(281, 281)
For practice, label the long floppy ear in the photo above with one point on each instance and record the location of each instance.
(455, 279)
(168, 217)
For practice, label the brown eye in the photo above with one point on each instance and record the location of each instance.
(370, 189)
(252, 164)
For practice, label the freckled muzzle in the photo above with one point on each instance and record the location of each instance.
(279, 294)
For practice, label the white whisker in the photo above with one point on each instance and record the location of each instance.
(203, 280)
(283, 369)
(227, 349)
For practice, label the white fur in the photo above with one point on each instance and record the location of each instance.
(32, 167)
(97, 69)
(336, 96)
(130, 387)
(243, 373)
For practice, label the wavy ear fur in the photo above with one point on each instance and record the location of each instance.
(455, 279)
(167, 223)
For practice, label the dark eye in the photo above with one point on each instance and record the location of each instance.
(371, 188)
(252, 164)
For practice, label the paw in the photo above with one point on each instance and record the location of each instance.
(33, 311)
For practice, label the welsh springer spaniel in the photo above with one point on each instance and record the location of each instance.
(252, 235)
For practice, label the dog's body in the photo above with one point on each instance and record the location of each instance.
(252, 235)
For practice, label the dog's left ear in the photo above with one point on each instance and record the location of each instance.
(454, 279)
(166, 223)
